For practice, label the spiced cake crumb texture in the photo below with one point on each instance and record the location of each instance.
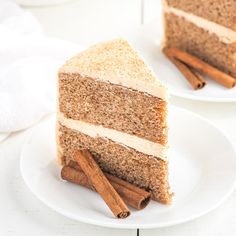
(109, 86)
(148, 172)
(113, 106)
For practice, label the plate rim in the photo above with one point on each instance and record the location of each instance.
(201, 99)
(130, 226)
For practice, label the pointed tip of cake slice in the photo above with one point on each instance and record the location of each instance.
(118, 63)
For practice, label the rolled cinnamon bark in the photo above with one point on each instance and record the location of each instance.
(196, 80)
(196, 63)
(131, 194)
(101, 183)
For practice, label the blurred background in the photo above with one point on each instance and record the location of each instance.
(86, 22)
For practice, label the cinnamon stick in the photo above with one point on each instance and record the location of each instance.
(196, 63)
(101, 184)
(196, 80)
(131, 194)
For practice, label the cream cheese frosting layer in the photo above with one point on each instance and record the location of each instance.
(118, 63)
(224, 34)
(142, 145)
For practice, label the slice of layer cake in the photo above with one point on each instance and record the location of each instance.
(111, 103)
(204, 28)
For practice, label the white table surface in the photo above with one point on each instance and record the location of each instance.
(85, 22)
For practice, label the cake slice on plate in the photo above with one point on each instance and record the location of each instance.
(111, 103)
(204, 28)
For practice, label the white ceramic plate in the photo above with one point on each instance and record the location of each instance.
(147, 39)
(202, 175)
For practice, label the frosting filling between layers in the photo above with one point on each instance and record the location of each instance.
(224, 34)
(132, 141)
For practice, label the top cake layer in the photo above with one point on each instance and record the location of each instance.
(116, 62)
(219, 11)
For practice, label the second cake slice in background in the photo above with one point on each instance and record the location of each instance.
(205, 28)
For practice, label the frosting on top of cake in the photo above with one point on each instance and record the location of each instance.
(226, 35)
(118, 63)
(142, 145)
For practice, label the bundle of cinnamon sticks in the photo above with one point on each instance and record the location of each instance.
(84, 171)
(190, 66)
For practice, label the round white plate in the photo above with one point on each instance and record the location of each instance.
(147, 40)
(202, 175)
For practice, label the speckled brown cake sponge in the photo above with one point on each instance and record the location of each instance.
(110, 86)
(148, 172)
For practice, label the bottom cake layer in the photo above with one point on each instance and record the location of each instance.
(148, 172)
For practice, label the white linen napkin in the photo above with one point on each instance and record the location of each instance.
(28, 69)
